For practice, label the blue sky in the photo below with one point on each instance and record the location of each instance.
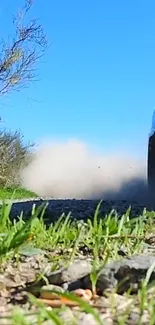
(97, 80)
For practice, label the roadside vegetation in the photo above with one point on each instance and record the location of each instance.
(16, 193)
(20, 53)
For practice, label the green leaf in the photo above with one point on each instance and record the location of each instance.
(30, 251)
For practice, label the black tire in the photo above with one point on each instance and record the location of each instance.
(151, 171)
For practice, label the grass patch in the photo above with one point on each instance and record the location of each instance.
(16, 192)
(100, 239)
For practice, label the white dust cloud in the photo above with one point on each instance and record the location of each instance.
(71, 169)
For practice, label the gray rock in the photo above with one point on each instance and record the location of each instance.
(73, 272)
(123, 274)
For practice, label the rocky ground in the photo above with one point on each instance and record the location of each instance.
(110, 300)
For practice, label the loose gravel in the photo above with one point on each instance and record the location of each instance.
(80, 209)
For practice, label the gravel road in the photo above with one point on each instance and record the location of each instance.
(80, 209)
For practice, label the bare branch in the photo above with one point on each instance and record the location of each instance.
(17, 61)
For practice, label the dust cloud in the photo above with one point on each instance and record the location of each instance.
(71, 169)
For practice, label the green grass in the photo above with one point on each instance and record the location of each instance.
(16, 192)
(102, 238)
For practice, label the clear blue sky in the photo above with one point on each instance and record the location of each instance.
(97, 80)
